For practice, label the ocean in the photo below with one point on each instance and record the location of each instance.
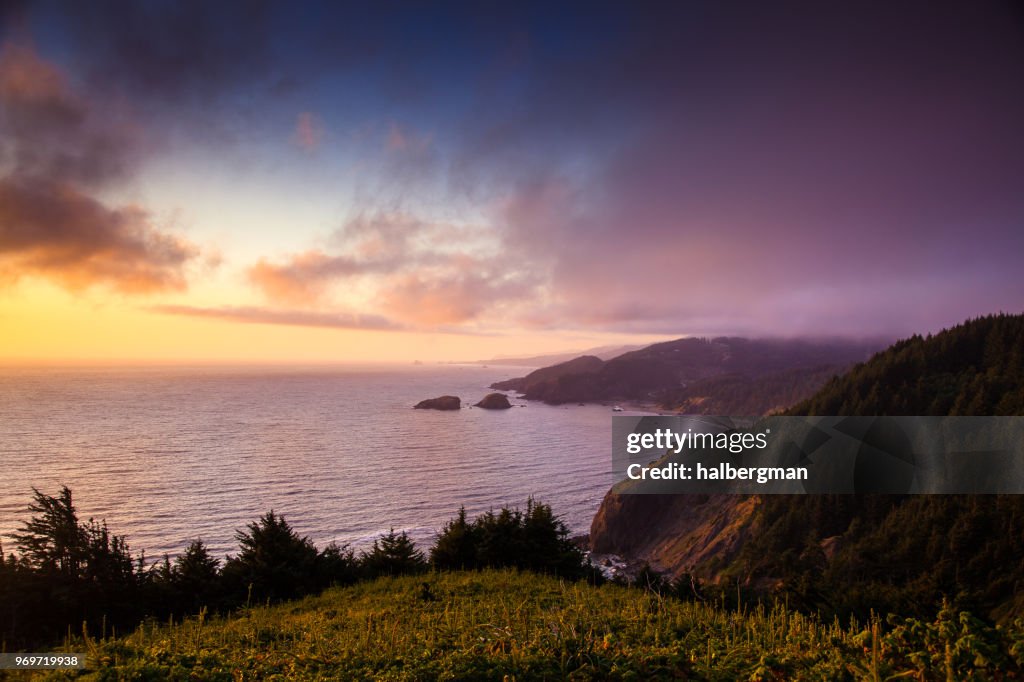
(167, 455)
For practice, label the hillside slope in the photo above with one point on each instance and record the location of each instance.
(696, 370)
(976, 368)
(602, 352)
(539, 381)
(503, 625)
(846, 553)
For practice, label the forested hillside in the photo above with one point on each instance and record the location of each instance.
(730, 375)
(854, 554)
(976, 368)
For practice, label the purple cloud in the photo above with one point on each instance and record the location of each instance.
(57, 147)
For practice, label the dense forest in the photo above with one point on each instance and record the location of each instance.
(906, 553)
(976, 368)
(842, 555)
(743, 394)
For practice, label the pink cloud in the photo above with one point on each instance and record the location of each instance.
(419, 273)
(401, 139)
(309, 131)
(301, 280)
(296, 318)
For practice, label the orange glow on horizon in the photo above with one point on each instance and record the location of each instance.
(44, 325)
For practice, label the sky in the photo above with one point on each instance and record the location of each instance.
(297, 182)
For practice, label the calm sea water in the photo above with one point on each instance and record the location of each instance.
(168, 455)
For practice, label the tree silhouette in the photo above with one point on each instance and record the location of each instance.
(536, 540)
(456, 546)
(195, 578)
(53, 541)
(274, 560)
(337, 566)
(393, 554)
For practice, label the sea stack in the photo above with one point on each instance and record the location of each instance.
(445, 402)
(495, 401)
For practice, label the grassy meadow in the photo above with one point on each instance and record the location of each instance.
(512, 625)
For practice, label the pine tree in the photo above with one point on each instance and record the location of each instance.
(274, 560)
(53, 541)
(195, 578)
(393, 554)
(456, 546)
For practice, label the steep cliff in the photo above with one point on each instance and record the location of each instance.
(676, 534)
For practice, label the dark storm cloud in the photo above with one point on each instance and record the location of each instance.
(50, 131)
(56, 146)
(174, 53)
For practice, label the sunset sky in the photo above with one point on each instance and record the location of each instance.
(440, 181)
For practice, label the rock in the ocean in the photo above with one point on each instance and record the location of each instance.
(445, 402)
(495, 401)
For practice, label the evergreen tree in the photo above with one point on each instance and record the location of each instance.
(69, 572)
(274, 561)
(337, 566)
(53, 541)
(393, 554)
(906, 553)
(535, 540)
(457, 545)
(195, 578)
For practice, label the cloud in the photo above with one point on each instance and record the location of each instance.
(422, 273)
(178, 54)
(770, 171)
(367, 244)
(56, 146)
(303, 279)
(309, 131)
(453, 297)
(299, 318)
(53, 231)
(404, 139)
(51, 132)
(785, 167)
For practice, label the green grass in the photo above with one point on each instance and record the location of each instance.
(498, 625)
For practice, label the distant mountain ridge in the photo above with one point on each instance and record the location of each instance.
(850, 554)
(698, 374)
